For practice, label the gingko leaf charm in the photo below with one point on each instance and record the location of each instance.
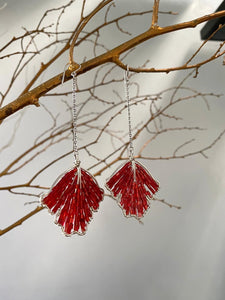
(132, 186)
(73, 199)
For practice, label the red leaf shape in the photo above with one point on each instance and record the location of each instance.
(73, 199)
(132, 186)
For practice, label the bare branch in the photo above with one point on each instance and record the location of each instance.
(80, 27)
(32, 97)
(168, 204)
(155, 14)
(20, 221)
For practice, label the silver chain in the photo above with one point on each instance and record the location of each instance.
(126, 84)
(75, 148)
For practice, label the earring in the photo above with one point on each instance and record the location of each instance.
(132, 185)
(76, 194)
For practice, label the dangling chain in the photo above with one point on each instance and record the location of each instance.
(75, 148)
(126, 84)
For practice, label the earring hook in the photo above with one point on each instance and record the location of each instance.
(64, 72)
(73, 73)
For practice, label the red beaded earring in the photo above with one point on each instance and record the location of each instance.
(132, 185)
(76, 194)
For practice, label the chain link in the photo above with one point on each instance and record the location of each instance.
(75, 147)
(126, 84)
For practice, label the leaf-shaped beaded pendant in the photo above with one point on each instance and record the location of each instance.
(132, 186)
(73, 199)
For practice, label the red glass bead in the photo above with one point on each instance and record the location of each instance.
(132, 186)
(73, 199)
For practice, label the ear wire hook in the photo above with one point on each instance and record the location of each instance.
(74, 72)
(64, 72)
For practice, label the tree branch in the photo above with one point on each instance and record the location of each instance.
(20, 221)
(82, 24)
(32, 97)
(155, 14)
